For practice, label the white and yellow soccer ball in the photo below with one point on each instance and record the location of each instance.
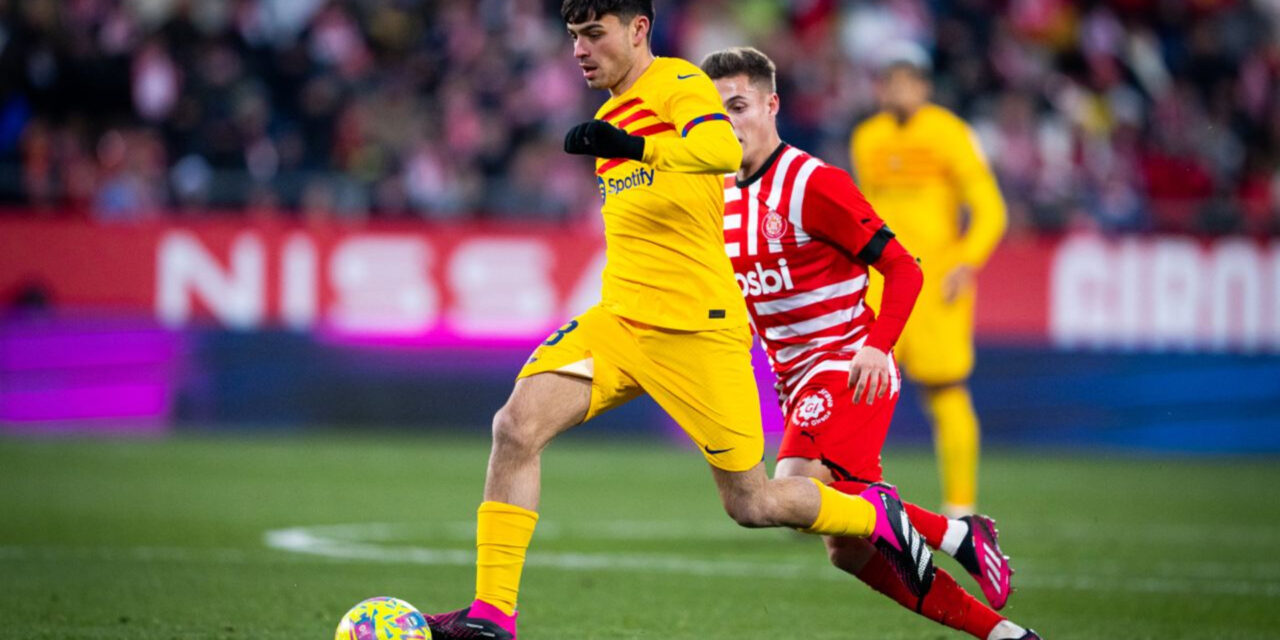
(383, 618)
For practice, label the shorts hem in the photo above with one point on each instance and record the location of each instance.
(729, 468)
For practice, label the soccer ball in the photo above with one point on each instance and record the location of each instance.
(383, 618)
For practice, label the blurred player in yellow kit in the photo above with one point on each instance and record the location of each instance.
(671, 323)
(920, 166)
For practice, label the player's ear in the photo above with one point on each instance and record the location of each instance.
(775, 103)
(640, 30)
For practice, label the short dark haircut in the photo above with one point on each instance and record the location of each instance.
(747, 61)
(578, 11)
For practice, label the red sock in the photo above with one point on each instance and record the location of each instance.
(932, 526)
(946, 603)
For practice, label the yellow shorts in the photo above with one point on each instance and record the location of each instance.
(702, 379)
(936, 347)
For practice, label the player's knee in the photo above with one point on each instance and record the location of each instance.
(515, 432)
(747, 515)
(751, 513)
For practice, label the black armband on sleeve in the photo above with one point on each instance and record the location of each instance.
(871, 251)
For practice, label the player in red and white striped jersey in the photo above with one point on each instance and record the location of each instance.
(801, 238)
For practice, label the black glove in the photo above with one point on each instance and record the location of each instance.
(603, 140)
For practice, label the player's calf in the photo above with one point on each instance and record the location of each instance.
(753, 500)
(849, 554)
(752, 515)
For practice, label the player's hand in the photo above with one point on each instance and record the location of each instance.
(869, 374)
(603, 140)
(956, 282)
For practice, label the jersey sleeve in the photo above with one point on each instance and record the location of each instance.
(978, 189)
(902, 282)
(706, 143)
(837, 212)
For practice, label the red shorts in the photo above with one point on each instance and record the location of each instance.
(825, 424)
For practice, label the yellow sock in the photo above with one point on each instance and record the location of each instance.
(503, 532)
(842, 514)
(956, 436)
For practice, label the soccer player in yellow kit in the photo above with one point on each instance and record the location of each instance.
(671, 323)
(919, 164)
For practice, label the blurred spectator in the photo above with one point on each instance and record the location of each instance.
(1120, 115)
(131, 176)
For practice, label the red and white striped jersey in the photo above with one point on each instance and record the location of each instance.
(797, 233)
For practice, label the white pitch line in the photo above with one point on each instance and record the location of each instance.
(370, 542)
(464, 531)
(313, 541)
(305, 540)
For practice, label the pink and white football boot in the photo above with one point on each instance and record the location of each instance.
(979, 553)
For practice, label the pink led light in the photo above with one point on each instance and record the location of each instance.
(87, 373)
(129, 400)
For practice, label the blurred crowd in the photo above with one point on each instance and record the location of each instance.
(1123, 115)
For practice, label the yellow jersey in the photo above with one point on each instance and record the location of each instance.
(664, 215)
(917, 175)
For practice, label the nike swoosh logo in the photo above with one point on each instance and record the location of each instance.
(692, 75)
(713, 452)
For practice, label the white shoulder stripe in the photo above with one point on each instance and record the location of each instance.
(753, 218)
(806, 298)
(780, 176)
(796, 209)
(776, 186)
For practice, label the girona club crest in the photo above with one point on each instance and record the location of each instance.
(774, 226)
(812, 408)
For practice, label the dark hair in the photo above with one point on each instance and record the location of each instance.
(577, 11)
(748, 61)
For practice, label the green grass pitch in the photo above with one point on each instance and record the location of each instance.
(262, 538)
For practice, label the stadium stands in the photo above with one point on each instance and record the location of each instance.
(1126, 115)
